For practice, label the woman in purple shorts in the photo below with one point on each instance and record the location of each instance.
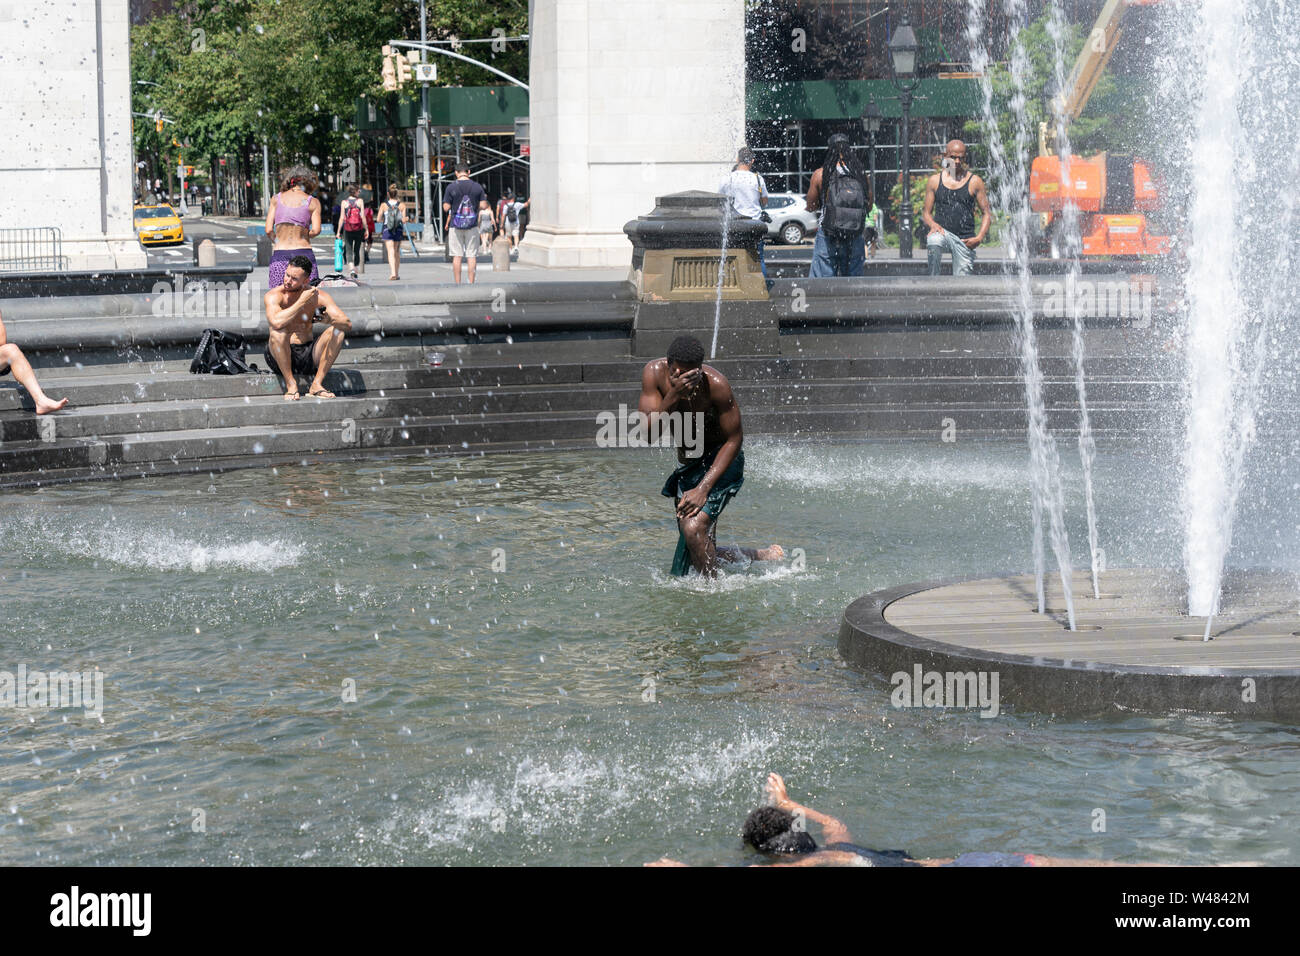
(294, 220)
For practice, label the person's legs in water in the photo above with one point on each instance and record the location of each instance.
(733, 555)
(12, 358)
(821, 258)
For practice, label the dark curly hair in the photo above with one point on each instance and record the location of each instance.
(686, 350)
(770, 830)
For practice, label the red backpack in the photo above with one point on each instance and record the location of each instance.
(352, 219)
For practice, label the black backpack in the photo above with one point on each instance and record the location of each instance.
(845, 207)
(221, 353)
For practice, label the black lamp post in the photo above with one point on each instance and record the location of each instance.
(871, 125)
(902, 66)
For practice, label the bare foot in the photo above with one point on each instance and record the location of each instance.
(291, 396)
(320, 391)
(47, 406)
(775, 791)
(774, 553)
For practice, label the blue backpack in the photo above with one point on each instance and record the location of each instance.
(464, 217)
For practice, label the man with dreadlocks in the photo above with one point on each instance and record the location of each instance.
(839, 189)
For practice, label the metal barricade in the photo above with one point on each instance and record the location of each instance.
(37, 249)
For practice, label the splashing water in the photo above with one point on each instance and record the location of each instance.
(722, 274)
(1240, 289)
(1045, 468)
(1071, 247)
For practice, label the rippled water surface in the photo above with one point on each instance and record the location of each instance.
(532, 687)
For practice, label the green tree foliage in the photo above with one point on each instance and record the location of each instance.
(246, 71)
(1098, 128)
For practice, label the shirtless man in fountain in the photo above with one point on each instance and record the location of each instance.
(780, 831)
(701, 486)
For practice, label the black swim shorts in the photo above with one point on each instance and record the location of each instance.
(300, 358)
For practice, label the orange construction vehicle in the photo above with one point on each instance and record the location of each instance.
(1113, 192)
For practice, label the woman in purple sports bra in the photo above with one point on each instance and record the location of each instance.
(294, 220)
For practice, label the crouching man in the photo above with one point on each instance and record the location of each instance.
(291, 308)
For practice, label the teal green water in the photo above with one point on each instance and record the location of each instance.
(503, 619)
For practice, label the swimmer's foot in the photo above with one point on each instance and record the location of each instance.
(774, 553)
(48, 405)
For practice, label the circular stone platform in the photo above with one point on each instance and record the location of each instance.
(1135, 649)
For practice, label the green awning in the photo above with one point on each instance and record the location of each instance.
(845, 99)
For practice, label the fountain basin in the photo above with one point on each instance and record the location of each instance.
(1128, 654)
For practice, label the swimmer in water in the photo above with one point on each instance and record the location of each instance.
(702, 485)
(780, 830)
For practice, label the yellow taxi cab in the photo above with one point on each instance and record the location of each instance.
(158, 224)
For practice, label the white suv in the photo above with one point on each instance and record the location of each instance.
(791, 221)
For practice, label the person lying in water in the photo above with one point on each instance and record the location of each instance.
(12, 361)
(700, 486)
(779, 829)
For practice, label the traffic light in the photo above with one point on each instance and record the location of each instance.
(404, 65)
(390, 70)
(189, 171)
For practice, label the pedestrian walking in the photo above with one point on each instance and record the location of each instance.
(462, 202)
(352, 227)
(512, 214)
(486, 229)
(392, 216)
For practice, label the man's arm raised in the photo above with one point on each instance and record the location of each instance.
(278, 318)
(724, 402)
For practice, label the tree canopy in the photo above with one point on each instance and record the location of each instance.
(279, 71)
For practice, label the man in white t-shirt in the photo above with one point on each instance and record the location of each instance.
(747, 191)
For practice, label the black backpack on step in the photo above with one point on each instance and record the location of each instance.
(221, 353)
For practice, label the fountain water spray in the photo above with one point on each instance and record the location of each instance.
(722, 274)
(1045, 467)
(1071, 247)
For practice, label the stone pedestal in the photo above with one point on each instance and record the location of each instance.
(627, 101)
(65, 69)
(685, 286)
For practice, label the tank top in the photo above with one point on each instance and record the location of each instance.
(299, 216)
(954, 209)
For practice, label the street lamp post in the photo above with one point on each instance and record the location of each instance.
(871, 125)
(424, 132)
(902, 66)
